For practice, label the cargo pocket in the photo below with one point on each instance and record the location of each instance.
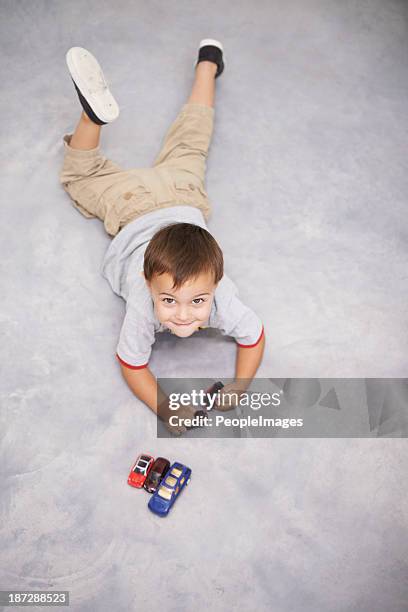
(187, 186)
(191, 192)
(126, 207)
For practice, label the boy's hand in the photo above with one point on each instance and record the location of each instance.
(183, 412)
(229, 396)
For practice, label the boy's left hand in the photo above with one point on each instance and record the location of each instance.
(235, 390)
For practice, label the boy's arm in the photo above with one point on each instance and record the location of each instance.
(248, 360)
(244, 325)
(247, 363)
(144, 385)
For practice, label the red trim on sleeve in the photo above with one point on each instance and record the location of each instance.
(252, 345)
(131, 367)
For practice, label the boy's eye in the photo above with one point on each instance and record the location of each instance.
(195, 301)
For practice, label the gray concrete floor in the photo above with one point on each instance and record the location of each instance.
(310, 146)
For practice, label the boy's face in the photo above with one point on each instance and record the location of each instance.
(185, 309)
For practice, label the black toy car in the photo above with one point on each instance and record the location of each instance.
(213, 390)
(156, 474)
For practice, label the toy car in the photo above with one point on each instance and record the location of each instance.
(213, 390)
(140, 470)
(170, 488)
(156, 474)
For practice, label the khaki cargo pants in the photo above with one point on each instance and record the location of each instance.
(100, 188)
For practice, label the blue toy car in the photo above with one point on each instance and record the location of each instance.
(170, 488)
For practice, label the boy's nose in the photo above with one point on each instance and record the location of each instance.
(183, 315)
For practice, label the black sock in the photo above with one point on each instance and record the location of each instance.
(211, 53)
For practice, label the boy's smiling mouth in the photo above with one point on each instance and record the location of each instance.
(183, 324)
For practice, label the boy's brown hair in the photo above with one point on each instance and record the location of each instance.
(184, 251)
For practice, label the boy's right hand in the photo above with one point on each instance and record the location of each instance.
(183, 412)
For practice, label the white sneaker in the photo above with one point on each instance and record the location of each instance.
(91, 86)
(211, 50)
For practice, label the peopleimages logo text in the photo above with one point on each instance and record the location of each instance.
(284, 407)
(207, 401)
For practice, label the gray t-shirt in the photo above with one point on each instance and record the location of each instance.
(123, 266)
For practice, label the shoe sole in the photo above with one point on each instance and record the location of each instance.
(103, 104)
(214, 43)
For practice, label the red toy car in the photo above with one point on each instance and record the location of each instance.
(140, 470)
